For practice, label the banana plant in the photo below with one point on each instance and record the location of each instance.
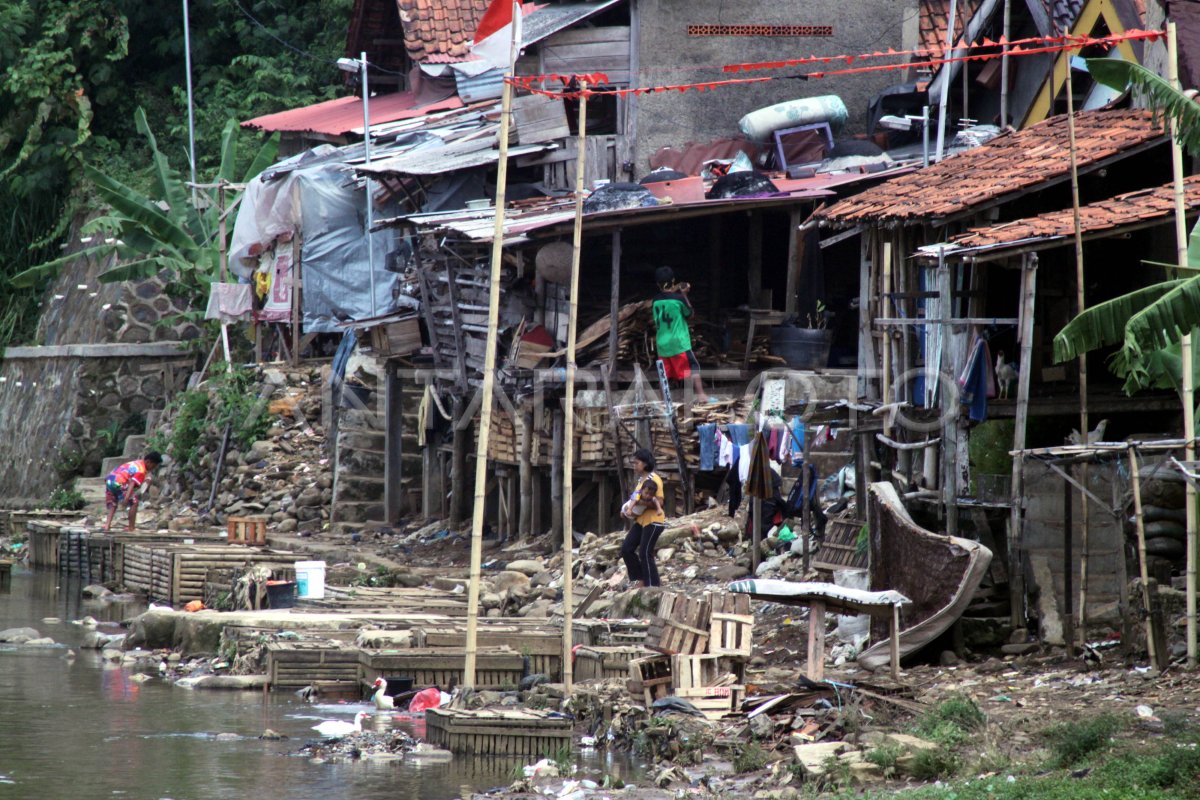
(1147, 323)
(161, 234)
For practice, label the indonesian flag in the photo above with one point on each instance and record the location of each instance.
(501, 23)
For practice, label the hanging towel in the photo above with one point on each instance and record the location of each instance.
(739, 433)
(743, 463)
(774, 442)
(230, 302)
(707, 434)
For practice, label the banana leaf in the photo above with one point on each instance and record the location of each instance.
(171, 186)
(1103, 325)
(33, 276)
(1166, 320)
(139, 209)
(1166, 100)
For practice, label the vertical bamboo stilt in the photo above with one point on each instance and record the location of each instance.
(1142, 571)
(1016, 503)
(1189, 399)
(1080, 305)
(489, 370)
(569, 406)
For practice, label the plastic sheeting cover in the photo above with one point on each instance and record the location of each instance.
(337, 280)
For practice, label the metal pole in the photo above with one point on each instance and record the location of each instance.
(925, 136)
(367, 160)
(1004, 65)
(941, 137)
(187, 59)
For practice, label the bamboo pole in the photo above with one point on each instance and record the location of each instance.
(1016, 581)
(1083, 382)
(1189, 400)
(1141, 540)
(489, 369)
(223, 264)
(569, 407)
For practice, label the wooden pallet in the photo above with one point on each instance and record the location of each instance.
(498, 732)
(681, 625)
(294, 665)
(359, 598)
(247, 530)
(604, 632)
(177, 574)
(443, 666)
(603, 663)
(732, 627)
(650, 678)
(840, 549)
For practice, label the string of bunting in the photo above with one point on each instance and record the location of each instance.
(1020, 47)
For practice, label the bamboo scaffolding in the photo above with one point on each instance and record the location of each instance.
(1020, 423)
(489, 369)
(569, 405)
(1189, 400)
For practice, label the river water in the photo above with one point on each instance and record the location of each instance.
(81, 726)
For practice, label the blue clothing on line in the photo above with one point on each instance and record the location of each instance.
(975, 383)
(739, 434)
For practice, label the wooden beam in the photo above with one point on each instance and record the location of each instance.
(1016, 498)
(754, 250)
(393, 469)
(796, 238)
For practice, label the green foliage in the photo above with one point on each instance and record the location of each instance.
(951, 722)
(934, 764)
(750, 758)
(191, 411)
(989, 445)
(157, 232)
(885, 757)
(68, 464)
(65, 500)
(1168, 102)
(563, 761)
(1072, 742)
(26, 226)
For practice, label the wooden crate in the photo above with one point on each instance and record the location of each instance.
(840, 548)
(602, 663)
(692, 672)
(714, 701)
(681, 626)
(732, 627)
(398, 338)
(443, 666)
(176, 574)
(294, 665)
(498, 732)
(541, 645)
(247, 530)
(650, 678)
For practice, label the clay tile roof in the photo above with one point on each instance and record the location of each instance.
(935, 19)
(1009, 164)
(1145, 206)
(440, 27)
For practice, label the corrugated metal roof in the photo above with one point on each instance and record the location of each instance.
(345, 114)
(548, 20)
(434, 160)
(1007, 165)
(1133, 209)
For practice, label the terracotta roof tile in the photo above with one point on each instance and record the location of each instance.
(1144, 205)
(1008, 164)
(935, 20)
(442, 28)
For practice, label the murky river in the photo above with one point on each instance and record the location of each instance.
(83, 727)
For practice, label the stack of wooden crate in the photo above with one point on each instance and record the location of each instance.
(704, 644)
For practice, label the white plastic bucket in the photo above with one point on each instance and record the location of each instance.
(310, 579)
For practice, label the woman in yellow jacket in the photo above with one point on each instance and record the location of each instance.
(645, 508)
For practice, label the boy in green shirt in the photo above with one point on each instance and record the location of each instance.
(673, 340)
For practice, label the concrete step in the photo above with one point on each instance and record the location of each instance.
(92, 490)
(109, 464)
(135, 447)
(152, 418)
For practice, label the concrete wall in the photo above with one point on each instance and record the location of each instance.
(52, 406)
(666, 51)
(1044, 544)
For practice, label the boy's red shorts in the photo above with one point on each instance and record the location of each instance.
(680, 366)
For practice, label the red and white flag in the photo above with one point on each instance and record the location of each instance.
(501, 23)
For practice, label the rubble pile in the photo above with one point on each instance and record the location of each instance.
(286, 476)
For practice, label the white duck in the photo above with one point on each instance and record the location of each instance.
(381, 698)
(338, 727)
